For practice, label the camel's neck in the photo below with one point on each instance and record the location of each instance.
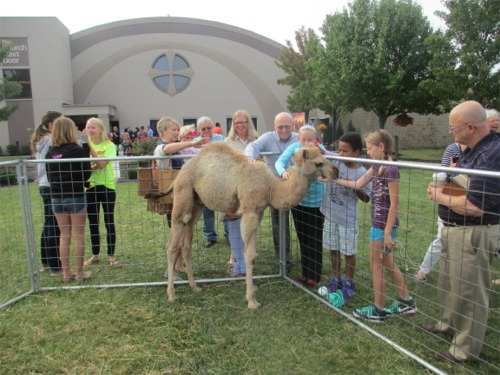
(288, 193)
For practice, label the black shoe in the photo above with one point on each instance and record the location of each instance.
(210, 243)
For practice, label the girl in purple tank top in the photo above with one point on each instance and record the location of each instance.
(385, 202)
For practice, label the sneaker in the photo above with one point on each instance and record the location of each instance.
(401, 307)
(370, 312)
(333, 284)
(312, 283)
(348, 288)
(210, 243)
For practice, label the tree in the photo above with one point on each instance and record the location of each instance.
(8, 89)
(299, 70)
(380, 57)
(473, 32)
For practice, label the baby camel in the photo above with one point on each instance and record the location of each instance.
(226, 181)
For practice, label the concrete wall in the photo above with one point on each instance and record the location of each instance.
(49, 63)
(426, 130)
(214, 91)
(228, 74)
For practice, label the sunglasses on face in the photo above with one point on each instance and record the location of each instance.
(241, 123)
(283, 127)
(206, 129)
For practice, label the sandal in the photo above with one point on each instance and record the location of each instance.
(113, 262)
(67, 279)
(83, 276)
(94, 259)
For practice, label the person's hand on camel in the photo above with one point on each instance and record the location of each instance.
(200, 141)
(285, 176)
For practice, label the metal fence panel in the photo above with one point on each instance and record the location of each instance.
(15, 279)
(417, 229)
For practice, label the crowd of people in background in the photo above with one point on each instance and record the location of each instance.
(326, 218)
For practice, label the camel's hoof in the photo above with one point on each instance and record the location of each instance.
(253, 305)
(171, 299)
(196, 289)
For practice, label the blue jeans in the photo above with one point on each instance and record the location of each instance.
(209, 225)
(209, 232)
(237, 245)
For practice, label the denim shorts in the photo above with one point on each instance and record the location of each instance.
(377, 234)
(70, 205)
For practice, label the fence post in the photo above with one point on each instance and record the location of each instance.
(25, 198)
(282, 246)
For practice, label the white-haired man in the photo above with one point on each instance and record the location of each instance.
(470, 234)
(276, 142)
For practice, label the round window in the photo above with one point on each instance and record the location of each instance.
(171, 73)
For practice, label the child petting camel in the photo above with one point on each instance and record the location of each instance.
(385, 202)
(307, 217)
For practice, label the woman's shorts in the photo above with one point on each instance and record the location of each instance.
(70, 205)
(377, 234)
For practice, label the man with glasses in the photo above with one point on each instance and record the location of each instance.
(470, 234)
(276, 142)
(205, 127)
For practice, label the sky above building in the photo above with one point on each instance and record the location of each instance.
(274, 19)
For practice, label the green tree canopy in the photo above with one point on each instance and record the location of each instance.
(473, 31)
(299, 70)
(378, 57)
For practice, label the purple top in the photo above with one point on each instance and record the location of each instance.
(381, 200)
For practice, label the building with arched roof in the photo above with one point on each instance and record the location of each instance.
(132, 72)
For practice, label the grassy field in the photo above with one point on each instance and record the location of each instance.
(135, 331)
(421, 154)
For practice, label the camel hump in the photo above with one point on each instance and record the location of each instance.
(221, 148)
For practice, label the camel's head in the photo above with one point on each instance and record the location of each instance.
(313, 164)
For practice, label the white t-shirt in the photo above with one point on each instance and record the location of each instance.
(339, 203)
(165, 163)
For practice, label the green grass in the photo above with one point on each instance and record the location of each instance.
(135, 331)
(423, 154)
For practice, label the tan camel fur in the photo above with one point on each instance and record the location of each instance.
(226, 181)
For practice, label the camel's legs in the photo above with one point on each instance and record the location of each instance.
(183, 207)
(173, 252)
(187, 247)
(249, 224)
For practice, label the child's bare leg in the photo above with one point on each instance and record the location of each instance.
(64, 223)
(335, 259)
(376, 257)
(350, 265)
(78, 235)
(397, 277)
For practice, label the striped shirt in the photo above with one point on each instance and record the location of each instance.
(314, 194)
(452, 151)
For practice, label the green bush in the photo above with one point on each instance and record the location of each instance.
(13, 150)
(8, 177)
(25, 150)
(144, 147)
